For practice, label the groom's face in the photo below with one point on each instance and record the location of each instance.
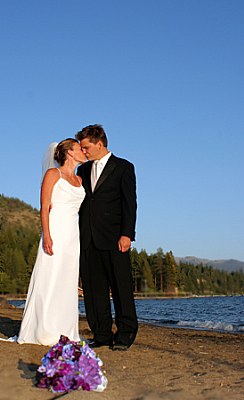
(91, 150)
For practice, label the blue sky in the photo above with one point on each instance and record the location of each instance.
(165, 79)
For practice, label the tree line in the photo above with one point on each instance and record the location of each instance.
(159, 274)
(155, 274)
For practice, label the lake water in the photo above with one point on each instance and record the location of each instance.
(221, 313)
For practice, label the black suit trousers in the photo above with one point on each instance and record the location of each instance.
(102, 270)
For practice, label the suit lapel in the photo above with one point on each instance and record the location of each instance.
(87, 176)
(108, 169)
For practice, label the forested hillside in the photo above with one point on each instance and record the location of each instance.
(153, 274)
(19, 238)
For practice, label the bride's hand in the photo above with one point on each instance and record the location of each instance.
(48, 245)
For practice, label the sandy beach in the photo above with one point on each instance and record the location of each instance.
(163, 363)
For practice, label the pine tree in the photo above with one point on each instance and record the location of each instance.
(146, 271)
(156, 262)
(136, 269)
(170, 273)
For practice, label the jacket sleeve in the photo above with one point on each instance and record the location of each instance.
(128, 201)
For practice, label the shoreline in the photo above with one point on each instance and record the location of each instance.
(221, 326)
(140, 297)
(172, 326)
(163, 363)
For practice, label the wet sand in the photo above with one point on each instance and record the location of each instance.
(163, 363)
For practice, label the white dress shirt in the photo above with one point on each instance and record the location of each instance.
(97, 169)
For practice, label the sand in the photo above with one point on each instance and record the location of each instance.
(163, 363)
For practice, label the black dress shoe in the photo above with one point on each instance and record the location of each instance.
(94, 344)
(118, 346)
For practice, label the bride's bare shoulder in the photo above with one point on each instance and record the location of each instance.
(52, 174)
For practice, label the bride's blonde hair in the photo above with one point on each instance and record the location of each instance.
(60, 154)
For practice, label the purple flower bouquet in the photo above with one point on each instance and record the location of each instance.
(70, 366)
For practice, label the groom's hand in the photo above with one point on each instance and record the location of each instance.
(124, 243)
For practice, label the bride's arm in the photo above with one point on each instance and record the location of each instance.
(50, 178)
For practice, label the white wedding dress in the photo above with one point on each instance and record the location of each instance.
(51, 306)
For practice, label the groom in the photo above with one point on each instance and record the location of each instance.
(107, 227)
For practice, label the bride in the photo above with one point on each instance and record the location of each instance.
(51, 307)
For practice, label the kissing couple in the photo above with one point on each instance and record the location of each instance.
(88, 217)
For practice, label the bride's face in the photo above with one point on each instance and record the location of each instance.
(78, 154)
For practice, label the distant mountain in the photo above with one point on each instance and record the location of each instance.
(226, 265)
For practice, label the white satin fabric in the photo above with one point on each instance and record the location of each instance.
(51, 307)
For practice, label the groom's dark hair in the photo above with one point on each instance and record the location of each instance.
(94, 133)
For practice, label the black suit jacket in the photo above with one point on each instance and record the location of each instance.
(110, 211)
